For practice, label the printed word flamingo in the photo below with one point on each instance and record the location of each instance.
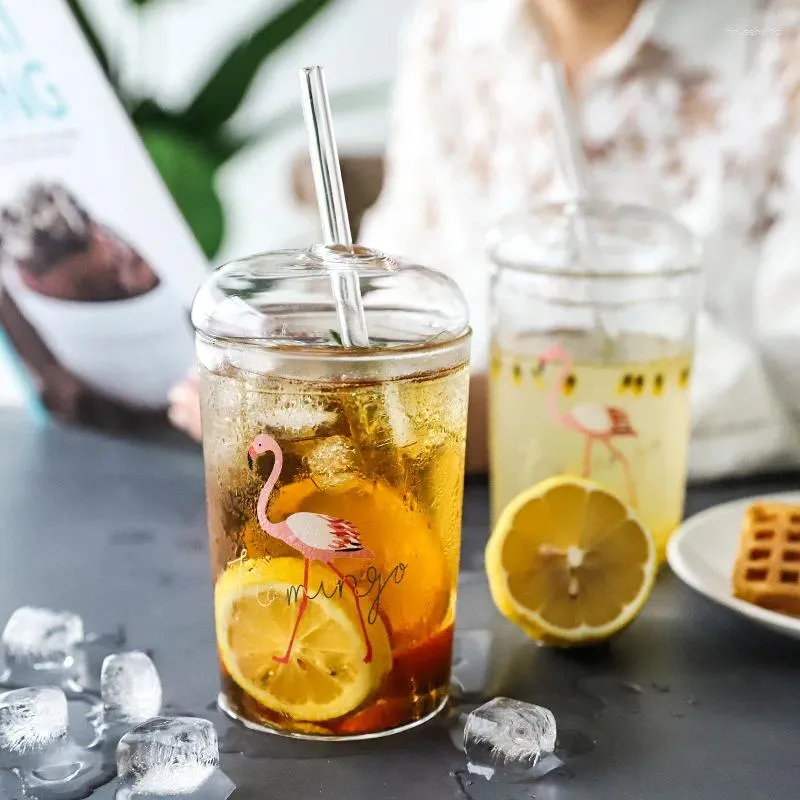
(599, 424)
(316, 536)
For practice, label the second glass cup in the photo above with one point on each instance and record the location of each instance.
(594, 309)
(334, 482)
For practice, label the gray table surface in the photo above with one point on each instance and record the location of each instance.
(690, 701)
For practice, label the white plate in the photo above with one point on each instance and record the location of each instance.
(702, 554)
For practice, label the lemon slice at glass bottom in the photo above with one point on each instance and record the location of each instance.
(256, 605)
(569, 563)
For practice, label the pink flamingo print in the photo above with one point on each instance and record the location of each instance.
(316, 536)
(599, 424)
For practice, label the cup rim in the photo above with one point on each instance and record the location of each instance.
(408, 352)
(687, 266)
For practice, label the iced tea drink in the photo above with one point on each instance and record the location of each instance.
(334, 485)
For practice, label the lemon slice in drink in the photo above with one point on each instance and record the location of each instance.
(569, 563)
(326, 676)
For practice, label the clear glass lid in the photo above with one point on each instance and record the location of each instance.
(595, 239)
(285, 298)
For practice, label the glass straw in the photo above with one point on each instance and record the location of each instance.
(569, 153)
(332, 204)
(366, 424)
(572, 166)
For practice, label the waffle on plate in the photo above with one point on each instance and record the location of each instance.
(767, 571)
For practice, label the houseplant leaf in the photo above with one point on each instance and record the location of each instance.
(188, 169)
(148, 114)
(224, 92)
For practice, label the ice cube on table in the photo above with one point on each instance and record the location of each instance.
(41, 646)
(43, 638)
(510, 737)
(130, 688)
(36, 746)
(31, 720)
(171, 757)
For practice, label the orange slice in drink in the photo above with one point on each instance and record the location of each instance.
(326, 676)
(569, 563)
(409, 579)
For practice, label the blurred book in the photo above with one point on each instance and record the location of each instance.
(97, 266)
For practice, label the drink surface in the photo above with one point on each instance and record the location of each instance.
(622, 421)
(379, 466)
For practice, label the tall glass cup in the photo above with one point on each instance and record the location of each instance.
(594, 309)
(334, 484)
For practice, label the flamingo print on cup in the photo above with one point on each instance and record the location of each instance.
(599, 424)
(316, 537)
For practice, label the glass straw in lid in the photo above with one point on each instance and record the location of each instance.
(332, 205)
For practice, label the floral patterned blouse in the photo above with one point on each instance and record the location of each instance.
(695, 109)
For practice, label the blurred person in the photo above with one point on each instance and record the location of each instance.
(693, 108)
(689, 107)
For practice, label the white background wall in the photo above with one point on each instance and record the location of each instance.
(168, 50)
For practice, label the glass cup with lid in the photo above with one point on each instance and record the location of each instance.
(594, 308)
(334, 486)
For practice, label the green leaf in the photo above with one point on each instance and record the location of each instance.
(224, 92)
(148, 113)
(91, 36)
(140, 2)
(189, 170)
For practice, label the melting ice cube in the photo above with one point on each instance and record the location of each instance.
(130, 688)
(42, 646)
(511, 737)
(35, 744)
(30, 721)
(43, 638)
(167, 758)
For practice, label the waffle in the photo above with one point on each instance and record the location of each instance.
(767, 571)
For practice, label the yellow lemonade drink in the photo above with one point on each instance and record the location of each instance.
(335, 519)
(621, 420)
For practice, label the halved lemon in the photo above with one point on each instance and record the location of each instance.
(569, 563)
(415, 571)
(326, 677)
